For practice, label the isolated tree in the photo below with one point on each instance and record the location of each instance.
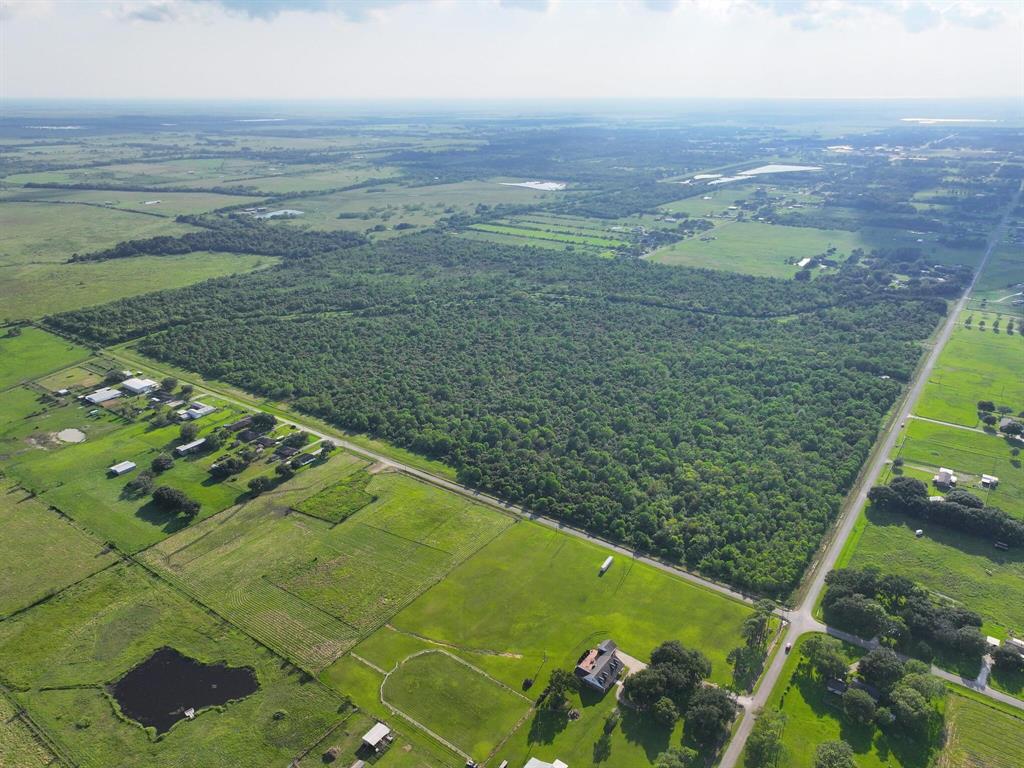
(174, 500)
(710, 712)
(141, 484)
(162, 463)
(168, 383)
(259, 484)
(834, 754)
(555, 696)
(858, 706)
(188, 431)
(764, 745)
(986, 405)
(187, 390)
(284, 471)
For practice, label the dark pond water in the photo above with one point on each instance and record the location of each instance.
(158, 691)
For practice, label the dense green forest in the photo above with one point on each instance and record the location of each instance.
(711, 418)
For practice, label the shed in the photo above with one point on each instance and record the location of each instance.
(187, 448)
(989, 481)
(606, 565)
(377, 736)
(139, 386)
(303, 459)
(836, 686)
(993, 642)
(533, 762)
(121, 468)
(102, 395)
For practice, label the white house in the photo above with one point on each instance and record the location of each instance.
(119, 469)
(102, 395)
(195, 411)
(139, 386)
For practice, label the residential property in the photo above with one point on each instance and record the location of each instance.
(285, 451)
(533, 762)
(836, 686)
(989, 481)
(265, 442)
(378, 737)
(600, 667)
(119, 469)
(195, 411)
(303, 459)
(102, 395)
(139, 386)
(242, 423)
(247, 434)
(945, 478)
(870, 690)
(187, 448)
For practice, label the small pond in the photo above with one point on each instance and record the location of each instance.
(161, 689)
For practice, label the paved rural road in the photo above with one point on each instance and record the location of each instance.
(802, 619)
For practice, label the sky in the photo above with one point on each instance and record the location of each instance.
(511, 49)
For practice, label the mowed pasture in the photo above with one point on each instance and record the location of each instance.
(974, 365)
(967, 569)
(460, 702)
(1003, 275)
(536, 592)
(41, 552)
(981, 736)
(970, 454)
(532, 601)
(311, 589)
(753, 248)
(31, 353)
(31, 233)
(74, 478)
(34, 290)
(58, 658)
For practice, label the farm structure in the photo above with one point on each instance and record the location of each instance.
(195, 411)
(378, 738)
(187, 448)
(944, 478)
(121, 468)
(139, 386)
(533, 762)
(102, 395)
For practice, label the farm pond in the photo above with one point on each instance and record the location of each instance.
(169, 686)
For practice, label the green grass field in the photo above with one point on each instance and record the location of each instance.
(755, 249)
(974, 365)
(536, 592)
(34, 290)
(815, 716)
(528, 234)
(34, 353)
(456, 701)
(40, 552)
(171, 203)
(1002, 273)
(19, 746)
(52, 232)
(58, 657)
(980, 736)
(964, 568)
(341, 500)
(310, 589)
(970, 454)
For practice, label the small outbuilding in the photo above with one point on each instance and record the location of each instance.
(533, 762)
(102, 395)
(303, 459)
(139, 386)
(187, 448)
(122, 468)
(944, 478)
(993, 642)
(836, 686)
(606, 565)
(989, 481)
(378, 737)
(195, 411)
